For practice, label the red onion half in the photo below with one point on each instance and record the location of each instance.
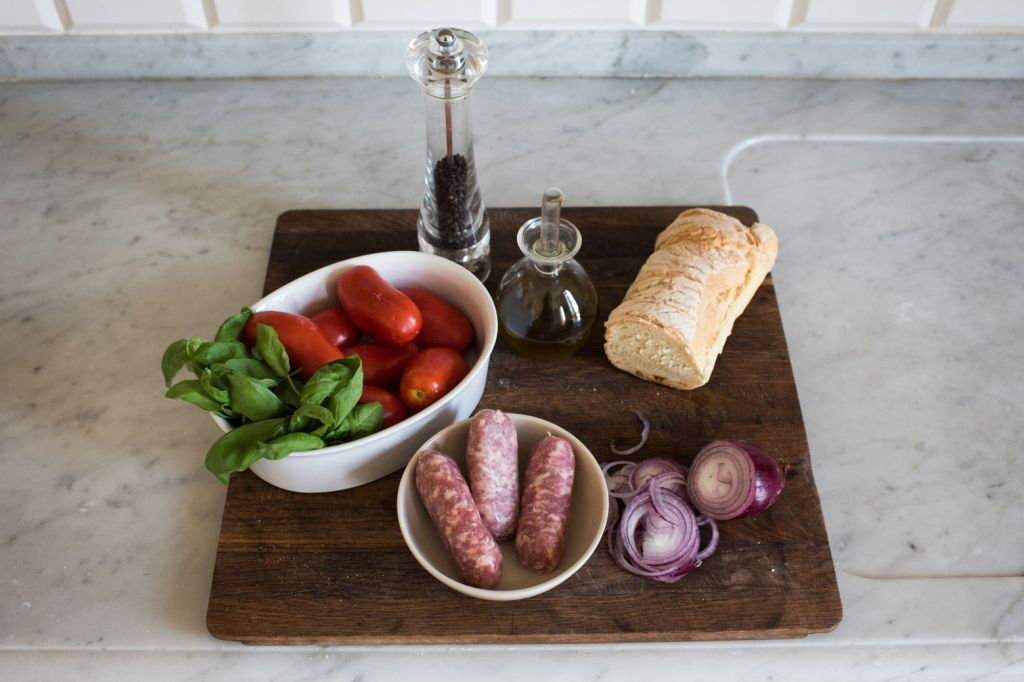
(731, 479)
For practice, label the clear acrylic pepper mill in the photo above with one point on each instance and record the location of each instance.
(547, 304)
(447, 63)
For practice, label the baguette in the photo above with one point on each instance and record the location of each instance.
(674, 320)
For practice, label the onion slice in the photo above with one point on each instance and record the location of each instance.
(643, 437)
(652, 468)
(658, 536)
(731, 479)
(619, 486)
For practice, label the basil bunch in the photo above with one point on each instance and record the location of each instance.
(276, 414)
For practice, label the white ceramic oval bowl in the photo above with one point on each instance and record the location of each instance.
(588, 513)
(339, 467)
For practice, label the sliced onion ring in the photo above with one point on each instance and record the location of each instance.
(618, 483)
(650, 468)
(733, 479)
(643, 437)
(661, 545)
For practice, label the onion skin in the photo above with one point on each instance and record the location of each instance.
(769, 480)
(754, 482)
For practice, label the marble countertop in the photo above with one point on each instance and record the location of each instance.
(137, 212)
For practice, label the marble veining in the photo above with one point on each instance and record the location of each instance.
(591, 53)
(138, 212)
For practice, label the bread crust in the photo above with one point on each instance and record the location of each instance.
(704, 270)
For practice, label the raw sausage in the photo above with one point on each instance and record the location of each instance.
(492, 457)
(540, 537)
(448, 501)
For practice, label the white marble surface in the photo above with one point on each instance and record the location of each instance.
(560, 53)
(135, 212)
(910, 392)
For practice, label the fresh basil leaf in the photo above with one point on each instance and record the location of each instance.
(338, 433)
(231, 328)
(365, 419)
(252, 399)
(173, 360)
(285, 445)
(346, 396)
(219, 351)
(271, 350)
(300, 419)
(193, 345)
(288, 392)
(342, 403)
(191, 391)
(327, 380)
(213, 382)
(237, 449)
(251, 368)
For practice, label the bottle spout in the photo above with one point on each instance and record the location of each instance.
(549, 245)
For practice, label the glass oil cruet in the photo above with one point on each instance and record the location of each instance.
(547, 304)
(447, 63)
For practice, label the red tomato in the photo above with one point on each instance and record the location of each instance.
(307, 347)
(443, 324)
(379, 309)
(429, 375)
(337, 327)
(394, 410)
(382, 365)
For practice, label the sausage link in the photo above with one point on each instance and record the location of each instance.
(492, 457)
(448, 501)
(540, 538)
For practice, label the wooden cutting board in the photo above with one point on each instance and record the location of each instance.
(332, 568)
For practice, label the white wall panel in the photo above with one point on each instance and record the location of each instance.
(573, 12)
(867, 14)
(149, 16)
(985, 15)
(135, 15)
(29, 16)
(422, 14)
(249, 15)
(724, 13)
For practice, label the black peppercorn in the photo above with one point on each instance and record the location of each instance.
(451, 179)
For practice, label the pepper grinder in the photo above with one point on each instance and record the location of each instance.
(547, 303)
(452, 223)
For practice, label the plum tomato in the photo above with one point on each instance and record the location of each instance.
(307, 347)
(337, 327)
(379, 309)
(429, 375)
(394, 410)
(443, 324)
(382, 365)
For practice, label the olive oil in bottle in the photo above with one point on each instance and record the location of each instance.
(547, 304)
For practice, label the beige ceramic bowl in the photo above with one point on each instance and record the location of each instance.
(587, 515)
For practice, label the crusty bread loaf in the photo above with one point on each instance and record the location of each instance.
(677, 314)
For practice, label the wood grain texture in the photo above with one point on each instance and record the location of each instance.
(333, 569)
